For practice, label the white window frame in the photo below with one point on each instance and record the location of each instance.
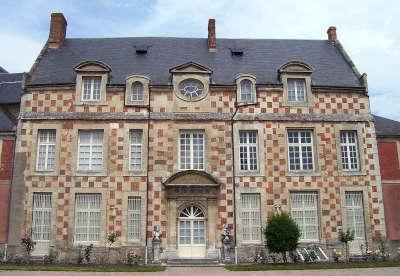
(200, 166)
(41, 217)
(49, 145)
(254, 217)
(134, 219)
(296, 91)
(140, 96)
(250, 92)
(87, 223)
(345, 151)
(304, 209)
(355, 217)
(135, 145)
(91, 145)
(247, 148)
(300, 146)
(93, 92)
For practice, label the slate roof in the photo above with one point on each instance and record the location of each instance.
(261, 57)
(386, 127)
(10, 88)
(2, 70)
(6, 122)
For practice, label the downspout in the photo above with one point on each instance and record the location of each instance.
(237, 106)
(147, 174)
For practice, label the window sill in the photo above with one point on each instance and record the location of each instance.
(303, 173)
(250, 243)
(250, 173)
(352, 173)
(44, 173)
(100, 103)
(296, 104)
(90, 173)
(135, 173)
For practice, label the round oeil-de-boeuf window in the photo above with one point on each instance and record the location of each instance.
(191, 89)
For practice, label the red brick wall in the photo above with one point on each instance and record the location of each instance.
(6, 160)
(391, 201)
(389, 160)
(4, 205)
(6, 163)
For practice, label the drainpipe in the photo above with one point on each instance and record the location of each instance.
(147, 175)
(237, 106)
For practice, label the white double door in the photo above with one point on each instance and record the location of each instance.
(192, 234)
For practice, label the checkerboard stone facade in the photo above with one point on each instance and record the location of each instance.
(274, 185)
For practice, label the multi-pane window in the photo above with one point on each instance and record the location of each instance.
(300, 144)
(349, 151)
(304, 210)
(41, 217)
(246, 91)
(91, 88)
(355, 213)
(296, 90)
(134, 218)
(90, 150)
(137, 91)
(251, 217)
(135, 157)
(87, 218)
(46, 150)
(248, 150)
(191, 150)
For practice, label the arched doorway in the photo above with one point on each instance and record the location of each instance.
(192, 232)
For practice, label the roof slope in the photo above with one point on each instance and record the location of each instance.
(386, 127)
(6, 123)
(10, 88)
(262, 58)
(2, 70)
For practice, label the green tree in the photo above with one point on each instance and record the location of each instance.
(346, 237)
(281, 234)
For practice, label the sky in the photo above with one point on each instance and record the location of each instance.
(369, 29)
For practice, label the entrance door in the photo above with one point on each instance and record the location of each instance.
(355, 221)
(192, 231)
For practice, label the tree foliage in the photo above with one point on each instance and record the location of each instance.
(281, 234)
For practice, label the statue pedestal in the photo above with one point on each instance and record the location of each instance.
(156, 252)
(226, 246)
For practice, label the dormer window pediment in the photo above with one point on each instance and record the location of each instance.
(91, 82)
(191, 81)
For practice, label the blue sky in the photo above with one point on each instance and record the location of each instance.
(369, 30)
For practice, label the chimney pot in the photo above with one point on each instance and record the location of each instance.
(58, 30)
(332, 33)
(212, 40)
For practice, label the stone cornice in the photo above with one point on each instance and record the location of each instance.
(195, 116)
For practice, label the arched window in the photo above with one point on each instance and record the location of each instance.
(137, 91)
(246, 91)
(192, 212)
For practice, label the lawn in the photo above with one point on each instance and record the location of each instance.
(87, 268)
(302, 266)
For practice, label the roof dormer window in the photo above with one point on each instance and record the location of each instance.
(246, 89)
(91, 82)
(296, 90)
(137, 90)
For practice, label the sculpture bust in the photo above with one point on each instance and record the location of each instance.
(225, 234)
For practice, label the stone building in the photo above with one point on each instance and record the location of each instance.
(10, 94)
(191, 134)
(388, 135)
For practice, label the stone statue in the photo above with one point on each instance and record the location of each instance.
(156, 234)
(226, 239)
(156, 245)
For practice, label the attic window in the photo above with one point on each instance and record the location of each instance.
(237, 51)
(141, 49)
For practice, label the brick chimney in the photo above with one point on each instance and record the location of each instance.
(332, 33)
(212, 39)
(58, 30)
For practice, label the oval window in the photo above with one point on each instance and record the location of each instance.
(191, 89)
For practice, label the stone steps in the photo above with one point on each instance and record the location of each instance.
(193, 262)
